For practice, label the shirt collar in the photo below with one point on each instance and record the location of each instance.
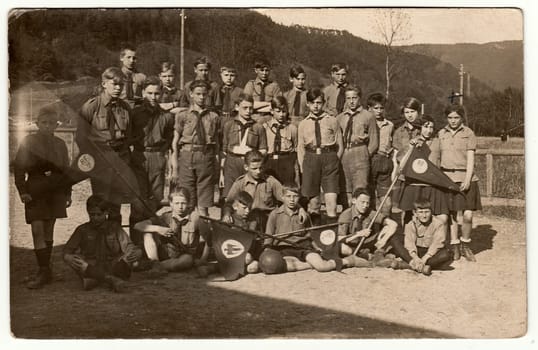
(352, 113)
(314, 117)
(382, 122)
(356, 214)
(171, 90)
(258, 81)
(250, 179)
(203, 111)
(454, 131)
(243, 120)
(106, 99)
(127, 71)
(274, 122)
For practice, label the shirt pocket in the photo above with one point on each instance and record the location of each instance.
(188, 234)
(122, 120)
(189, 126)
(99, 120)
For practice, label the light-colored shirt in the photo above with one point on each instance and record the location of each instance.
(431, 236)
(454, 145)
(254, 88)
(290, 97)
(331, 97)
(266, 191)
(288, 136)
(364, 129)
(255, 138)
(331, 134)
(186, 126)
(386, 129)
(282, 220)
(401, 138)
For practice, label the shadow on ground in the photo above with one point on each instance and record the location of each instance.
(482, 238)
(178, 306)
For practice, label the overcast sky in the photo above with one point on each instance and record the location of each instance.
(439, 26)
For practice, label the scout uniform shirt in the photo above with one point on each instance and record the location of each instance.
(265, 191)
(102, 245)
(107, 120)
(297, 102)
(401, 138)
(224, 98)
(282, 220)
(386, 129)
(431, 236)
(198, 128)
(454, 145)
(335, 98)
(359, 128)
(241, 136)
(153, 128)
(186, 237)
(329, 134)
(281, 138)
(132, 87)
(262, 90)
(351, 221)
(171, 94)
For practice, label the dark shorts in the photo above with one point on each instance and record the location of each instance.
(381, 170)
(155, 166)
(197, 174)
(234, 167)
(468, 200)
(299, 253)
(283, 168)
(320, 170)
(356, 168)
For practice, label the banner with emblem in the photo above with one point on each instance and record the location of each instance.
(230, 244)
(327, 241)
(419, 168)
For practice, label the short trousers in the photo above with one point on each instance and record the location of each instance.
(283, 168)
(299, 253)
(197, 174)
(234, 167)
(320, 170)
(356, 167)
(380, 173)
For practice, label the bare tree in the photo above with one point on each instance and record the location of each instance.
(391, 27)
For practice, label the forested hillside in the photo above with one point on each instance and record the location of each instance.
(58, 45)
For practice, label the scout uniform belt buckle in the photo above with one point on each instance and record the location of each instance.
(318, 150)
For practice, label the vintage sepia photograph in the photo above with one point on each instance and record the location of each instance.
(267, 173)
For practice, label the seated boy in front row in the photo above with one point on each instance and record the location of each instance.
(100, 251)
(297, 250)
(422, 247)
(354, 223)
(173, 238)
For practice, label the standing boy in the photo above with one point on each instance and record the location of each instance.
(319, 148)
(202, 67)
(100, 251)
(335, 92)
(422, 247)
(239, 136)
(296, 97)
(227, 93)
(262, 89)
(281, 144)
(104, 132)
(354, 223)
(361, 139)
(195, 147)
(153, 133)
(132, 92)
(382, 162)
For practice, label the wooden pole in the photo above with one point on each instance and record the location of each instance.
(461, 83)
(182, 50)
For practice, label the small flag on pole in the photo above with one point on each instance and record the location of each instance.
(327, 241)
(419, 168)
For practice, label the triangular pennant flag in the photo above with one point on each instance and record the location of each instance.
(419, 168)
(327, 241)
(230, 244)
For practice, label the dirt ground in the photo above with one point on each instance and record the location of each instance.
(486, 299)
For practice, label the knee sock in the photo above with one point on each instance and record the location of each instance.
(43, 258)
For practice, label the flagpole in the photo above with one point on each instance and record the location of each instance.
(400, 167)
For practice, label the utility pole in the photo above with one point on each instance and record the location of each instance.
(182, 50)
(468, 84)
(462, 72)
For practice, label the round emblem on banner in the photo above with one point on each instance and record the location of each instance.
(231, 248)
(86, 163)
(420, 166)
(327, 237)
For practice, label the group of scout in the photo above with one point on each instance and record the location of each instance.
(271, 154)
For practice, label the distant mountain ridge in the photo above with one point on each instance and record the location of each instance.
(497, 64)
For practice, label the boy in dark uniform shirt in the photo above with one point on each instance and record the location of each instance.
(132, 92)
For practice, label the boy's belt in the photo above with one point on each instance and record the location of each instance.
(355, 144)
(384, 154)
(153, 148)
(197, 148)
(322, 149)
